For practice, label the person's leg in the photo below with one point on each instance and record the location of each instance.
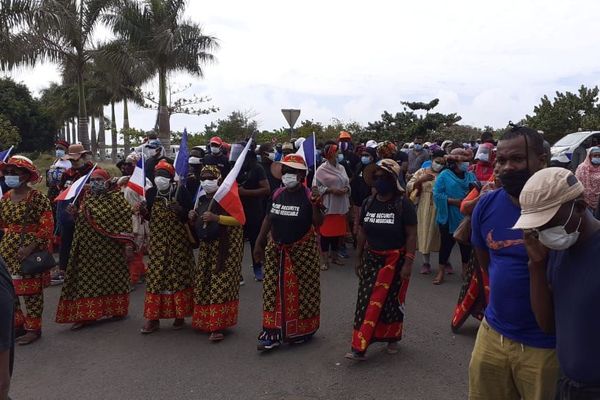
(34, 306)
(253, 232)
(490, 373)
(324, 243)
(535, 372)
(334, 244)
(447, 243)
(426, 267)
(465, 255)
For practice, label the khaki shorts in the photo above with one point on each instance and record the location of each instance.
(503, 369)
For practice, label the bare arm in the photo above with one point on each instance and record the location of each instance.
(483, 257)
(261, 241)
(411, 247)
(361, 240)
(542, 303)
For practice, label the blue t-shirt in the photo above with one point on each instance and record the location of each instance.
(574, 276)
(509, 310)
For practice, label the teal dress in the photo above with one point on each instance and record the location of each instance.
(449, 185)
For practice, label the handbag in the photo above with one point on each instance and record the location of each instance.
(37, 262)
(462, 234)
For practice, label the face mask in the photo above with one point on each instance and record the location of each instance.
(463, 166)
(12, 181)
(436, 167)
(340, 157)
(60, 153)
(484, 157)
(344, 146)
(513, 182)
(162, 183)
(290, 181)
(405, 150)
(384, 186)
(97, 187)
(210, 185)
(418, 147)
(596, 161)
(365, 160)
(271, 156)
(215, 150)
(557, 238)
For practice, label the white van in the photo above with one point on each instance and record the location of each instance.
(562, 151)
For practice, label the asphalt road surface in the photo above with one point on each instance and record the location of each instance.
(112, 360)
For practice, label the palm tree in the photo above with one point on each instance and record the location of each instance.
(59, 31)
(165, 41)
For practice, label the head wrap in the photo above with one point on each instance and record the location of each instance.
(100, 173)
(212, 170)
(386, 149)
(164, 165)
(329, 150)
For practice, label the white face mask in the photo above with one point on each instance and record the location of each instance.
(215, 150)
(483, 157)
(162, 183)
(271, 156)
(290, 181)
(210, 186)
(436, 167)
(557, 238)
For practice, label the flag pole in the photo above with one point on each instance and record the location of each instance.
(90, 174)
(314, 159)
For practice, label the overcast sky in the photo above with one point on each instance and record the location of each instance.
(490, 62)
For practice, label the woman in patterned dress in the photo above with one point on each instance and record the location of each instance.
(291, 288)
(26, 214)
(169, 292)
(217, 275)
(387, 240)
(96, 283)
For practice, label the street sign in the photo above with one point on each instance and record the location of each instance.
(291, 116)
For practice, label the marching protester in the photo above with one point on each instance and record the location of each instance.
(26, 217)
(416, 157)
(562, 239)
(484, 162)
(387, 241)
(288, 246)
(96, 283)
(253, 189)
(216, 278)
(359, 190)
(450, 188)
(266, 156)
(217, 155)
(588, 173)
(155, 153)
(334, 187)
(512, 357)
(346, 148)
(420, 190)
(79, 158)
(169, 289)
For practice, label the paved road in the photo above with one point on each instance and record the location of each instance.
(113, 361)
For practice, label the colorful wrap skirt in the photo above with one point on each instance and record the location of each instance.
(474, 295)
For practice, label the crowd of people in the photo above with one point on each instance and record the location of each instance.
(527, 237)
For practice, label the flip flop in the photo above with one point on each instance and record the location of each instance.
(216, 337)
(152, 329)
(355, 356)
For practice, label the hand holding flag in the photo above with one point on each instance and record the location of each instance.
(73, 191)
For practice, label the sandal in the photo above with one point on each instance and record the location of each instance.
(354, 356)
(178, 324)
(150, 327)
(425, 269)
(29, 337)
(324, 267)
(439, 277)
(216, 337)
(392, 348)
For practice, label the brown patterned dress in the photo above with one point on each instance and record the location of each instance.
(97, 277)
(38, 227)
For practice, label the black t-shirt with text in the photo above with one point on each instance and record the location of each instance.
(291, 215)
(384, 222)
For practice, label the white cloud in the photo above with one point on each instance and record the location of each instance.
(488, 61)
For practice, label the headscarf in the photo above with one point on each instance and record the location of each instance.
(589, 175)
(329, 151)
(386, 149)
(212, 170)
(164, 165)
(100, 173)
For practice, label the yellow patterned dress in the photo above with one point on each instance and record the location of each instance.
(217, 278)
(169, 277)
(39, 227)
(97, 276)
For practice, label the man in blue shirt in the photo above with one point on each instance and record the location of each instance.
(563, 242)
(512, 357)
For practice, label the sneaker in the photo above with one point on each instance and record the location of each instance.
(266, 344)
(343, 253)
(258, 273)
(425, 269)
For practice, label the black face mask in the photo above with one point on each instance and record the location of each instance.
(384, 186)
(513, 182)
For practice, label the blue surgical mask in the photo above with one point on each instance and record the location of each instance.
(12, 181)
(60, 153)
(596, 161)
(365, 160)
(418, 147)
(464, 166)
(340, 157)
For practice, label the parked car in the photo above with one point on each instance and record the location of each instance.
(562, 151)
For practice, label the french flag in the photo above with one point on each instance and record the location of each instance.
(137, 181)
(5, 154)
(227, 195)
(308, 151)
(72, 192)
(182, 164)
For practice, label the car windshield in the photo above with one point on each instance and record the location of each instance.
(571, 139)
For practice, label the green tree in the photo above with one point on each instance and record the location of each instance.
(566, 113)
(238, 125)
(59, 31)
(165, 41)
(9, 134)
